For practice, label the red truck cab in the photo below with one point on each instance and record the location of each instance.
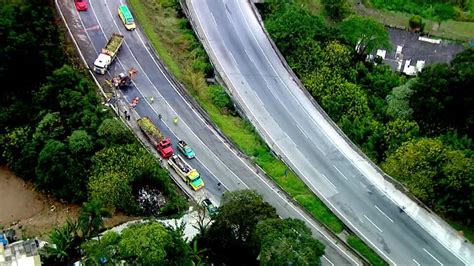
(165, 148)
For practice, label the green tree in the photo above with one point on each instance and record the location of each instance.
(178, 252)
(70, 93)
(56, 173)
(114, 190)
(416, 23)
(27, 44)
(91, 218)
(116, 170)
(336, 9)
(64, 250)
(338, 58)
(112, 132)
(398, 101)
(294, 26)
(19, 152)
(437, 175)
(399, 131)
(234, 227)
(220, 98)
(287, 242)
(337, 96)
(49, 128)
(145, 244)
(79, 142)
(305, 59)
(442, 97)
(367, 132)
(95, 251)
(365, 34)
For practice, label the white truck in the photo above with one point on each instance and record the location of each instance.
(186, 172)
(108, 54)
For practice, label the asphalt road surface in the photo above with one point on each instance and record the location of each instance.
(215, 159)
(297, 131)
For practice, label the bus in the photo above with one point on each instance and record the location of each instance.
(126, 17)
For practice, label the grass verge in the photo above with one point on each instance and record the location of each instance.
(181, 52)
(365, 250)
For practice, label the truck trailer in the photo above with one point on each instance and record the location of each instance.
(162, 144)
(186, 172)
(108, 54)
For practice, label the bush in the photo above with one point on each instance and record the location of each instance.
(416, 23)
(220, 98)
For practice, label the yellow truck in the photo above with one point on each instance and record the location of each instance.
(186, 172)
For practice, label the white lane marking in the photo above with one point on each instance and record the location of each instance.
(214, 20)
(418, 264)
(329, 182)
(383, 213)
(431, 255)
(119, 61)
(328, 260)
(340, 172)
(233, 59)
(299, 127)
(373, 223)
(299, 212)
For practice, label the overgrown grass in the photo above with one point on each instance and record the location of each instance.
(180, 51)
(365, 250)
(450, 29)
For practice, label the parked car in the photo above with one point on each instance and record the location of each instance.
(126, 17)
(211, 209)
(81, 5)
(185, 149)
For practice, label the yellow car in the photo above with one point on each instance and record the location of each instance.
(126, 17)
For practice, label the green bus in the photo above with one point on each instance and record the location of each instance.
(126, 17)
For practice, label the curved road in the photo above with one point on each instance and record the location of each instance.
(302, 136)
(216, 160)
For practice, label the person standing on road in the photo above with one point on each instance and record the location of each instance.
(152, 99)
(175, 120)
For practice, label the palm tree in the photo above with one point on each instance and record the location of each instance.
(91, 218)
(65, 242)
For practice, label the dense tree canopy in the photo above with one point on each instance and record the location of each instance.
(336, 9)
(437, 175)
(364, 33)
(234, 227)
(287, 242)
(443, 97)
(294, 27)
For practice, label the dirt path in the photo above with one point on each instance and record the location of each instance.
(32, 213)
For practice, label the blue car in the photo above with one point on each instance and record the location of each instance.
(185, 149)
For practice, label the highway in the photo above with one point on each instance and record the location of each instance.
(299, 132)
(216, 159)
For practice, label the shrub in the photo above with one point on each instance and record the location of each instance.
(416, 23)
